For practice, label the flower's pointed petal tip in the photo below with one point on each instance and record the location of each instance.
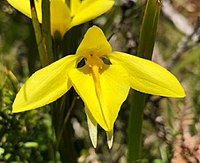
(109, 135)
(180, 93)
(94, 144)
(15, 110)
(17, 107)
(93, 140)
(176, 92)
(183, 95)
(92, 126)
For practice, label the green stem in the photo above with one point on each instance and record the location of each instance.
(135, 127)
(60, 134)
(145, 50)
(38, 35)
(46, 29)
(63, 128)
(62, 108)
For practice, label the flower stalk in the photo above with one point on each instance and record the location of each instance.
(46, 32)
(62, 109)
(145, 50)
(38, 36)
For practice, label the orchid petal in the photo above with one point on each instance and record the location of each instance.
(147, 76)
(60, 17)
(114, 84)
(90, 43)
(45, 85)
(90, 9)
(24, 7)
(74, 6)
(92, 126)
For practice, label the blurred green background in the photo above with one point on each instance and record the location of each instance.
(171, 129)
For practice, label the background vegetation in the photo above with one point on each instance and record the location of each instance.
(171, 128)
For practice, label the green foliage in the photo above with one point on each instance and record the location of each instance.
(25, 137)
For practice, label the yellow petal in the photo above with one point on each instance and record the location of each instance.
(24, 7)
(74, 6)
(94, 41)
(60, 17)
(147, 76)
(92, 126)
(114, 88)
(45, 85)
(90, 9)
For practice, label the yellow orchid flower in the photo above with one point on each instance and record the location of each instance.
(102, 85)
(64, 17)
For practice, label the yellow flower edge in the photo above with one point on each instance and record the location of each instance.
(62, 16)
(103, 87)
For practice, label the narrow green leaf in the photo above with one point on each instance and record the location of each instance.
(149, 28)
(135, 126)
(145, 50)
(46, 29)
(38, 35)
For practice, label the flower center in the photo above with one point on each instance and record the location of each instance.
(94, 61)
